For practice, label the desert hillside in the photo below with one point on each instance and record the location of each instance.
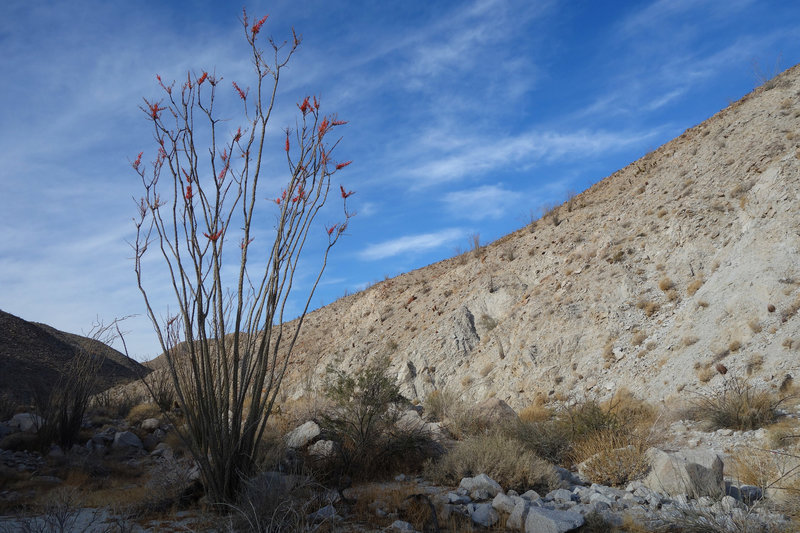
(683, 260)
(32, 357)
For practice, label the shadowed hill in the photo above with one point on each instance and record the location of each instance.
(32, 356)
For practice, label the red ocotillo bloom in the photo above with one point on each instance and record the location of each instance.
(257, 26)
(138, 161)
(189, 192)
(202, 78)
(346, 194)
(331, 229)
(342, 165)
(242, 94)
(305, 107)
(213, 236)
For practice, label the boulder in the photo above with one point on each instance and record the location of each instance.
(504, 503)
(516, 520)
(480, 487)
(483, 514)
(302, 435)
(26, 422)
(150, 424)
(322, 449)
(127, 439)
(542, 520)
(494, 411)
(693, 472)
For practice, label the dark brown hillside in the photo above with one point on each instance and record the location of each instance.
(32, 356)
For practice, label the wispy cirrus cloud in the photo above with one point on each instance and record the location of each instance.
(411, 244)
(481, 155)
(486, 201)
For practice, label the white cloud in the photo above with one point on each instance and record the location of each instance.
(411, 244)
(487, 201)
(483, 154)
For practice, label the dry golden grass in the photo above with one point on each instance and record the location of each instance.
(690, 339)
(665, 284)
(755, 325)
(649, 308)
(638, 338)
(142, 412)
(734, 346)
(612, 457)
(705, 373)
(536, 413)
(694, 286)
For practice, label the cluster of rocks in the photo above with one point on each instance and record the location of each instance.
(685, 487)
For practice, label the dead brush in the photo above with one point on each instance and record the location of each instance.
(736, 405)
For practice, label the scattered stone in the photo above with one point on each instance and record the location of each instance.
(322, 449)
(480, 487)
(504, 503)
(542, 520)
(399, 525)
(695, 473)
(494, 411)
(326, 513)
(127, 439)
(150, 424)
(483, 514)
(26, 422)
(302, 435)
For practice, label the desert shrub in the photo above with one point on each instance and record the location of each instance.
(500, 457)
(362, 420)
(576, 433)
(736, 405)
(694, 286)
(273, 502)
(665, 284)
(161, 389)
(142, 412)
(440, 404)
(612, 457)
(63, 405)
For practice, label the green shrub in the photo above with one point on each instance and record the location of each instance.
(363, 422)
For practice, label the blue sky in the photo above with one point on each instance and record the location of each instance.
(464, 118)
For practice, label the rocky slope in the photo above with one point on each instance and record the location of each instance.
(33, 355)
(684, 259)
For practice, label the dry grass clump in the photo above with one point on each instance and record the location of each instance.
(690, 340)
(665, 284)
(649, 308)
(736, 405)
(704, 373)
(612, 458)
(142, 412)
(500, 457)
(734, 346)
(755, 325)
(638, 338)
(590, 430)
(536, 412)
(694, 286)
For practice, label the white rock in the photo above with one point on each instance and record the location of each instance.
(302, 435)
(541, 520)
(480, 483)
(150, 424)
(26, 422)
(483, 514)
